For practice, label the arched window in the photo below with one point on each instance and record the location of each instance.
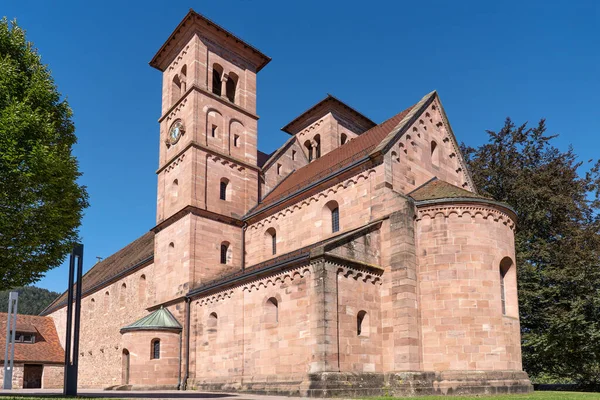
(174, 190)
(435, 158)
(308, 147)
(271, 240)
(123, 295)
(332, 208)
(142, 289)
(223, 189)
(212, 323)
(175, 89)
(106, 300)
(343, 139)
(92, 304)
(216, 79)
(155, 349)
(317, 146)
(272, 310)
(182, 78)
(505, 266)
(225, 253)
(230, 87)
(362, 323)
(278, 169)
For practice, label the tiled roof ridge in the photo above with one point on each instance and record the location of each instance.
(364, 144)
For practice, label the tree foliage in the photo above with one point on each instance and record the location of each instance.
(32, 300)
(557, 247)
(41, 203)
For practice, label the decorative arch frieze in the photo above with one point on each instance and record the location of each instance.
(175, 163)
(357, 273)
(311, 128)
(179, 58)
(348, 183)
(465, 211)
(215, 298)
(284, 276)
(174, 114)
(224, 161)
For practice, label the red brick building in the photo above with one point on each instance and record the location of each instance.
(39, 357)
(356, 259)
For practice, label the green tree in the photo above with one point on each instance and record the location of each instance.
(41, 203)
(32, 300)
(557, 247)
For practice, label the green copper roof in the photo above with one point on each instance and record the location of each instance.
(161, 319)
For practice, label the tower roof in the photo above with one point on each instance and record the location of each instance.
(194, 22)
(161, 319)
(328, 104)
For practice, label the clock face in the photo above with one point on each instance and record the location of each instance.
(175, 132)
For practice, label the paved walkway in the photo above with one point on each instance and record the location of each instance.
(149, 394)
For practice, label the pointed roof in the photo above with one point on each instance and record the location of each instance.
(376, 141)
(194, 22)
(328, 104)
(159, 320)
(435, 189)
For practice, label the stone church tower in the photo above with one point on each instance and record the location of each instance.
(357, 259)
(208, 173)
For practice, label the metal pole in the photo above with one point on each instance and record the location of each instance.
(72, 349)
(9, 352)
(78, 250)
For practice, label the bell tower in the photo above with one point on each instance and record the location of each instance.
(207, 173)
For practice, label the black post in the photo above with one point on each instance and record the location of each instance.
(72, 358)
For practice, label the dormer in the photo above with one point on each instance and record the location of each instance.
(326, 126)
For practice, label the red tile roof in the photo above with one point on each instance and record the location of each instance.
(46, 349)
(335, 160)
(129, 256)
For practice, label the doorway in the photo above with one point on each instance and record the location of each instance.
(32, 376)
(125, 368)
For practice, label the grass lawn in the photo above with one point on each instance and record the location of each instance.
(531, 396)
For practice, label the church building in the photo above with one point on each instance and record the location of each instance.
(357, 259)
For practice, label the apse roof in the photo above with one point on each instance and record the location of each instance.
(437, 189)
(161, 319)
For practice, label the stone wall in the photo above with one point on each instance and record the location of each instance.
(460, 249)
(144, 370)
(256, 333)
(100, 348)
(426, 150)
(17, 377)
(53, 377)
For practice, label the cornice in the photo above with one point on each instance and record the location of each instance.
(209, 94)
(499, 212)
(198, 212)
(209, 150)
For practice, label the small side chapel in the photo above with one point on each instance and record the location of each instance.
(357, 259)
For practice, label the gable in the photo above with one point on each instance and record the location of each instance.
(422, 147)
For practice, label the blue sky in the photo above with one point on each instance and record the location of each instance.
(488, 60)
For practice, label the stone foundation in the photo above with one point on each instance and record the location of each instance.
(398, 384)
